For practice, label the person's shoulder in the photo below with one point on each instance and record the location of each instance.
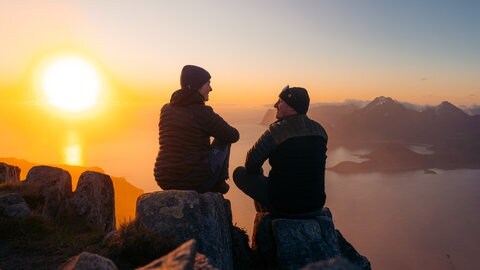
(202, 108)
(276, 125)
(278, 130)
(317, 128)
(165, 107)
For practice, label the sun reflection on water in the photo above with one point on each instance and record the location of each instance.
(73, 152)
(73, 155)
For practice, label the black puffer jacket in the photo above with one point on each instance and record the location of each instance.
(296, 149)
(185, 128)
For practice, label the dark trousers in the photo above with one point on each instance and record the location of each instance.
(256, 187)
(218, 160)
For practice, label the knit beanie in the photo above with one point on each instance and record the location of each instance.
(193, 77)
(297, 98)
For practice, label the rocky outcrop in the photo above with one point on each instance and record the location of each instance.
(48, 190)
(88, 261)
(183, 215)
(9, 173)
(13, 205)
(294, 243)
(53, 184)
(93, 201)
(184, 257)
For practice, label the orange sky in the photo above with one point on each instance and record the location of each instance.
(419, 53)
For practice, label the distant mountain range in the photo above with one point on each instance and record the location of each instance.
(452, 133)
(385, 119)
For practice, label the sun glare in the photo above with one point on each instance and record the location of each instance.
(73, 155)
(71, 83)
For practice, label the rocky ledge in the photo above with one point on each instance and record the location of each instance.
(47, 191)
(198, 225)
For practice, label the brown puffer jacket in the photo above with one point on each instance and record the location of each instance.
(185, 127)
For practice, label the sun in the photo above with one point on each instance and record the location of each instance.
(71, 83)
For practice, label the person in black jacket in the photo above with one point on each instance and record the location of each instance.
(186, 159)
(296, 149)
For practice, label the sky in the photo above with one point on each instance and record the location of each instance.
(416, 51)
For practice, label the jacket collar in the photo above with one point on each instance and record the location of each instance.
(185, 97)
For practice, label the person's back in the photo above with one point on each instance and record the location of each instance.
(297, 172)
(185, 128)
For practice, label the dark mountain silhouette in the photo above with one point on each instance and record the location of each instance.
(475, 110)
(269, 117)
(332, 114)
(389, 157)
(471, 110)
(383, 119)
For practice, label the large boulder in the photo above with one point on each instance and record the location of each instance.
(9, 173)
(182, 215)
(184, 257)
(53, 184)
(93, 201)
(13, 205)
(294, 243)
(88, 261)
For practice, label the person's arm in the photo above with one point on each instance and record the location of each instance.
(219, 128)
(260, 152)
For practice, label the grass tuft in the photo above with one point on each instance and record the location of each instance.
(37, 243)
(135, 245)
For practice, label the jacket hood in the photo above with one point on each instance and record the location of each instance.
(185, 97)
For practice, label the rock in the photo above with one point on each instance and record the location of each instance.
(181, 258)
(262, 239)
(338, 263)
(54, 184)
(349, 252)
(13, 205)
(243, 255)
(184, 257)
(428, 171)
(9, 173)
(87, 261)
(294, 237)
(329, 235)
(202, 263)
(294, 243)
(182, 215)
(93, 201)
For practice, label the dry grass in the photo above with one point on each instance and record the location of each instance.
(134, 245)
(37, 243)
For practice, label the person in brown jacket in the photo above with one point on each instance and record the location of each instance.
(186, 159)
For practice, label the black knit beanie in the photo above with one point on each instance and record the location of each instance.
(297, 98)
(193, 77)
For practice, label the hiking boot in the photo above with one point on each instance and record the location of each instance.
(260, 208)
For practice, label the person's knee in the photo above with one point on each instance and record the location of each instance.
(239, 174)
